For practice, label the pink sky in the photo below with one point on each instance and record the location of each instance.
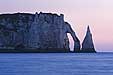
(79, 13)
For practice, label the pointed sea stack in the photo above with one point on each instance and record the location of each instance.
(87, 45)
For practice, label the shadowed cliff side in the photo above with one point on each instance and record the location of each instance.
(43, 32)
(87, 45)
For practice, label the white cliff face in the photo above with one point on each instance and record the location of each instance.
(36, 31)
(87, 44)
(33, 32)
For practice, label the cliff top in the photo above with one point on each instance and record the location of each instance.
(28, 14)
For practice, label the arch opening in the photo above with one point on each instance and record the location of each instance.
(71, 42)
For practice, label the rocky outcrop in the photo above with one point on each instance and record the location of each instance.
(44, 32)
(87, 45)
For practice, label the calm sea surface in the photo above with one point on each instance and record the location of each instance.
(56, 64)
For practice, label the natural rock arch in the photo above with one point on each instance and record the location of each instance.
(75, 39)
(39, 31)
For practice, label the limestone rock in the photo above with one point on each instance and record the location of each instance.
(77, 46)
(45, 32)
(87, 45)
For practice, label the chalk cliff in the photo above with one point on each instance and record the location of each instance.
(87, 45)
(45, 32)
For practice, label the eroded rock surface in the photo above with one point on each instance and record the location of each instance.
(43, 31)
(87, 45)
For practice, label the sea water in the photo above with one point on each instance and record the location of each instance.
(56, 64)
